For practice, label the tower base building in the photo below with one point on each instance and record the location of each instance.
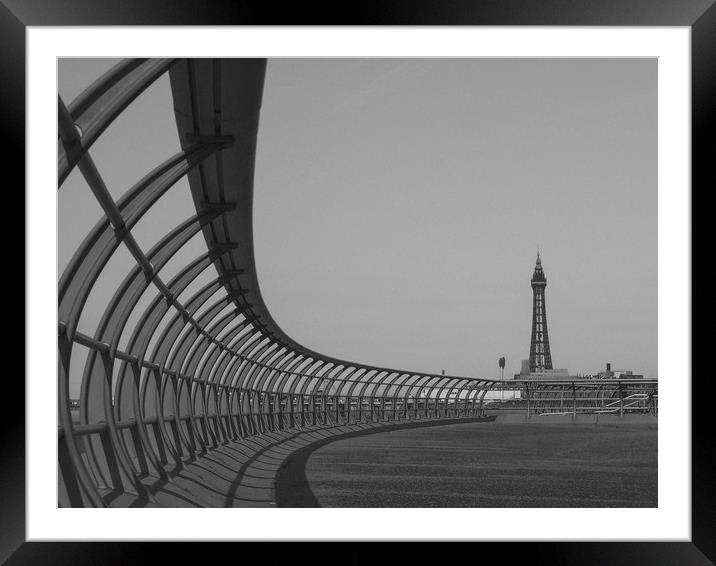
(539, 364)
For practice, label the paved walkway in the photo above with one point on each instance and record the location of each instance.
(244, 473)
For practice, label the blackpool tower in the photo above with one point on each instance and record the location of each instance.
(540, 357)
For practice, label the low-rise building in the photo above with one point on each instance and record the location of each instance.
(609, 373)
(543, 374)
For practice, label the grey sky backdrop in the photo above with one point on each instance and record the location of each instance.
(399, 205)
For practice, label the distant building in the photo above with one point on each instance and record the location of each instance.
(548, 374)
(525, 370)
(540, 355)
(618, 374)
(539, 364)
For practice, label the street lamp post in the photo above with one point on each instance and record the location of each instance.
(501, 363)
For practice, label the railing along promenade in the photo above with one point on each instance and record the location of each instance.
(208, 394)
(586, 395)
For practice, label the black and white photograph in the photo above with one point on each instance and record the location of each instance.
(358, 282)
(421, 273)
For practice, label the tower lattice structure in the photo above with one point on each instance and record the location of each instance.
(540, 356)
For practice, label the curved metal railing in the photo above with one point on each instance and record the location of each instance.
(215, 367)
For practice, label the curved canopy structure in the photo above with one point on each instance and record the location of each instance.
(214, 368)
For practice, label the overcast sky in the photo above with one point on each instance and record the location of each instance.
(399, 205)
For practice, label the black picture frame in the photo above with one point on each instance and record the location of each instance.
(698, 15)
